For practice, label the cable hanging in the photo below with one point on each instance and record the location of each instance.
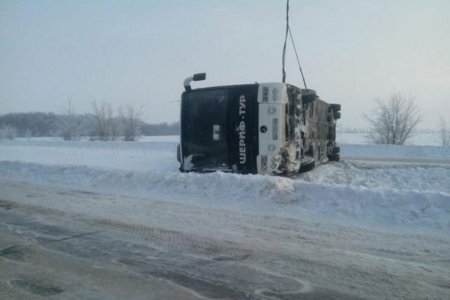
(288, 32)
(283, 59)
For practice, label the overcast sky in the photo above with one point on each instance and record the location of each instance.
(139, 52)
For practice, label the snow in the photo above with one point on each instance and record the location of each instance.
(419, 139)
(411, 152)
(105, 155)
(374, 226)
(406, 195)
(202, 249)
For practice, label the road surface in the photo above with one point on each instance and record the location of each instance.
(61, 243)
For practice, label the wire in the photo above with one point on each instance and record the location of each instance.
(288, 32)
(283, 59)
(298, 60)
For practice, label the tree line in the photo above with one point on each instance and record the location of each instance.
(103, 124)
(392, 121)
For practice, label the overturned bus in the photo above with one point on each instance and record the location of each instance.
(261, 128)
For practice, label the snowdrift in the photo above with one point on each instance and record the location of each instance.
(413, 196)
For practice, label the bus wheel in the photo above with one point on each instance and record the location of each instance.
(336, 150)
(334, 157)
(308, 96)
(334, 107)
(307, 167)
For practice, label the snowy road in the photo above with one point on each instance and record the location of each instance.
(73, 244)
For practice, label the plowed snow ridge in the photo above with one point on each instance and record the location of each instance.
(409, 195)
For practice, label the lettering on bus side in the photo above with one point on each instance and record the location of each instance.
(241, 130)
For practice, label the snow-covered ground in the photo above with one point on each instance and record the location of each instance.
(419, 139)
(411, 195)
(114, 220)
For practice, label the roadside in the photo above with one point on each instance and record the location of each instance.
(400, 160)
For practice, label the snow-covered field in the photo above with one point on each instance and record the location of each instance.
(419, 139)
(413, 193)
(374, 226)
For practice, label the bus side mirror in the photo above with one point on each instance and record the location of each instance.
(195, 77)
(199, 77)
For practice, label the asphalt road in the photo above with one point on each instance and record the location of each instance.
(58, 243)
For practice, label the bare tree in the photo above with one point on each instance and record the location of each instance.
(106, 128)
(130, 117)
(393, 121)
(100, 120)
(70, 125)
(112, 128)
(444, 132)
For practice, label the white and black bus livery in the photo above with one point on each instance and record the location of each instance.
(261, 128)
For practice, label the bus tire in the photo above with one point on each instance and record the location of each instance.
(334, 157)
(334, 107)
(308, 96)
(307, 167)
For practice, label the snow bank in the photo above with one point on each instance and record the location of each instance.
(413, 196)
(296, 198)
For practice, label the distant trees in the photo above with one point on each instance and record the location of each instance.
(444, 132)
(34, 124)
(160, 129)
(130, 121)
(104, 124)
(8, 132)
(70, 126)
(106, 128)
(393, 120)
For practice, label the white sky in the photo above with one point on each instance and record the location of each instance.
(139, 52)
